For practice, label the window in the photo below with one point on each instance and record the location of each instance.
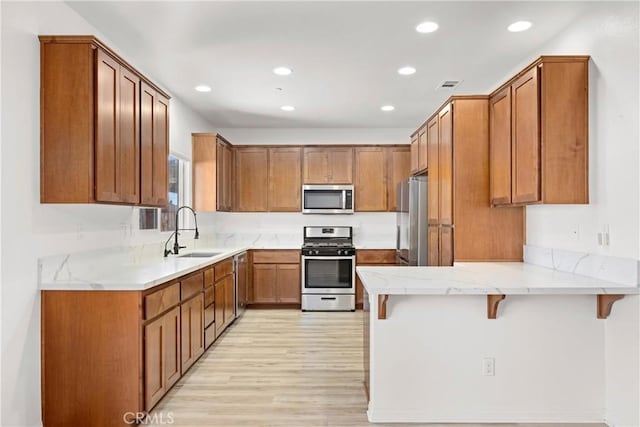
(179, 173)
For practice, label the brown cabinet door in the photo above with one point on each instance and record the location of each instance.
(264, 283)
(359, 291)
(433, 181)
(285, 185)
(204, 172)
(446, 246)
(230, 300)
(371, 179)
(288, 283)
(172, 347)
(154, 146)
(192, 330)
(154, 372)
(252, 174)
(500, 147)
(128, 143)
(340, 165)
(107, 128)
(220, 305)
(445, 165)
(398, 170)
(315, 165)
(433, 245)
(222, 180)
(525, 181)
(423, 150)
(414, 154)
(197, 325)
(228, 178)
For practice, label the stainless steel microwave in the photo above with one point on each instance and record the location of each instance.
(327, 199)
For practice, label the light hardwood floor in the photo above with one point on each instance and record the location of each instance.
(279, 368)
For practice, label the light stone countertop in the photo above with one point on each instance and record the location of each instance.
(483, 278)
(122, 270)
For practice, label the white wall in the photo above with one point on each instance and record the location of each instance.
(30, 230)
(611, 36)
(318, 136)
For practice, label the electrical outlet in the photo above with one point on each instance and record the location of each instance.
(575, 232)
(488, 366)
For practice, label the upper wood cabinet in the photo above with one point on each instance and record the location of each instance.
(154, 146)
(252, 179)
(398, 170)
(422, 149)
(539, 134)
(95, 111)
(371, 179)
(462, 224)
(285, 187)
(414, 153)
(328, 165)
(117, 145)
(212, 168)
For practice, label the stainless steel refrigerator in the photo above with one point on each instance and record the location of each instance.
(411, 238)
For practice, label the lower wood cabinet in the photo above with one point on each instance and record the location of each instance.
(371, 257)
(276, 277)
(161, 356)
(192, 313)
(123, 350)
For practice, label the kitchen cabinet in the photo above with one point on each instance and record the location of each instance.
(398, 170)
(422, 149)
(96, 141)
(414, 153)
(328, 165)
(225, 296)
(462, 225)
(162, 356)
(371, 179)
(224, 171)
(117, 147)
(212, 170)
(276, 277)
(154, 147)
(192, 331)
(371, 257)
(285, 185)
(539, 134)
(252, 178)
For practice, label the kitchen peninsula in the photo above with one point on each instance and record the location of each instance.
(438, 349)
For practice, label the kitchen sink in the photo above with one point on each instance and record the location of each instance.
(200, 255)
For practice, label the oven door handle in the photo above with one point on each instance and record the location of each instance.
(350, 257)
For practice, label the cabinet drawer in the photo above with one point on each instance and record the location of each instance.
(223, 268)
(161, 300)
(209, 335)
(379, 256)
(208, 277)
(209, 315)
(276, 257)
(191, 285)
(209, 296)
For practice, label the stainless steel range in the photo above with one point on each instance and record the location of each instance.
(328, 269)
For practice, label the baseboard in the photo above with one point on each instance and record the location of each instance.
(457, 416)
(273, 306)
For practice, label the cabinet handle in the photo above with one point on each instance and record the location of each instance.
(328, 298)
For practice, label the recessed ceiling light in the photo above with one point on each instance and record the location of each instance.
(427, 27)
(406, 71)
(387, 108)
(516, 27)
(287, 108)
(203, 88)
(282, 71)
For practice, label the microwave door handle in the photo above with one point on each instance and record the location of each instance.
(344, 199)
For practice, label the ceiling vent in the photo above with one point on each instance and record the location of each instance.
(448, 84)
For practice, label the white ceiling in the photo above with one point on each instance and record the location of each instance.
(344, 55)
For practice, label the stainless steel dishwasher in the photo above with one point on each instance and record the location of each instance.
(240, 269)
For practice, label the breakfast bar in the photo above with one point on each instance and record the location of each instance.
(486, 342)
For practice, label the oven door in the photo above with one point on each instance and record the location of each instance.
(328, 274)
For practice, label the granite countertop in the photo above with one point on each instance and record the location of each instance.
(122, 270)
(483, 278)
